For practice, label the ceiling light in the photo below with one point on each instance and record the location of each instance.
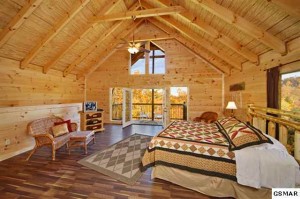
(133, 50)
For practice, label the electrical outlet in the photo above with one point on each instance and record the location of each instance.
(7, 141)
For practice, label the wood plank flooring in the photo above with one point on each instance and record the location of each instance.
(41, 177)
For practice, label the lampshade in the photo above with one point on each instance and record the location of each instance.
(231, 105)
(133, 50)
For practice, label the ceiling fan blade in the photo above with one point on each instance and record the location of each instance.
(131, 44)
(138, 45)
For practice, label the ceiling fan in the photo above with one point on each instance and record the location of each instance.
(135, 47)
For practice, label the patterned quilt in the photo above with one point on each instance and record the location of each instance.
(192, 146)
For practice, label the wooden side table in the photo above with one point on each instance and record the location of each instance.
(81, 139)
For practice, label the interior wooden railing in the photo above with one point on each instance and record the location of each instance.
(286, 120)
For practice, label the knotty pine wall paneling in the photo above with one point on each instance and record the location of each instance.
(31, 86)
(255, 76)
(29, 94)
(14, 138)
(182, 69)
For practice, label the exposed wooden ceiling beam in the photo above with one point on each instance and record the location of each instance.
(139, 14)
(18, 20)
(91, 48)
(192, 46)
(244, 25)
(195, 37)
(139, 39)
(97, 43)
(85, 30)
(292, 7)
(135, 57)
(205, 27)
(53, 32)
(110, 49)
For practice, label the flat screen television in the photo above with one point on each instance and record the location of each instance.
(89, 106)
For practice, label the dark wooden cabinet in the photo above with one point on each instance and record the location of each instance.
(91, 121)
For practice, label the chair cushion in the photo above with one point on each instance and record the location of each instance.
(61, 140)
(68, 122)
(82, 134)
(60, 130)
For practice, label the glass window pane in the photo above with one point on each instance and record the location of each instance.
(159, 66)
(117, 101)
(158, 101)
(290, 91)
(178, 95)
(178, 99)
(159, 52)
(141, 107)
(158, 96)
(151, 53)
(142, 95)
(138, 62)
(138, 67)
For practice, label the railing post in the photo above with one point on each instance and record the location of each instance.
(184, 111)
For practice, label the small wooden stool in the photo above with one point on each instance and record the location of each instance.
(81, 139)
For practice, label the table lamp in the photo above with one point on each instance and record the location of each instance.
(231, 106)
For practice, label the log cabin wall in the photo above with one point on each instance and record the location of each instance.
(32, 87)
(182, 69)
(69, 38)
(29, 94)
(255, 78)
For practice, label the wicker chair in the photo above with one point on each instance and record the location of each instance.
(208, 117)
(41, 131)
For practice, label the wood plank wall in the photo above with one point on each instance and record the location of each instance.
(255, 77)
(26, 95)
(182, 69)
(32, 87)
(13, 125)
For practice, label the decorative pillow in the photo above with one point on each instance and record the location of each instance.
(68, 122)
(60, 130)
(228, 121)
(242, 135)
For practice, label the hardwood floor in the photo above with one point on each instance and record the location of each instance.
(41, 177)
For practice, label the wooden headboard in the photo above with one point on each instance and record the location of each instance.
(286, 120)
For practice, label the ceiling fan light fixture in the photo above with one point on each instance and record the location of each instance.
(133, 50)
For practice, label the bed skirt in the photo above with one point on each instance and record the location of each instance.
(212, 186)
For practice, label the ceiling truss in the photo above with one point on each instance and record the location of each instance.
(18, 20)
(175, 29)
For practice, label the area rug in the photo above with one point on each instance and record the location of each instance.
(120, 161)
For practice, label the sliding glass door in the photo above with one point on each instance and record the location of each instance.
(127, 107)
(149, 105)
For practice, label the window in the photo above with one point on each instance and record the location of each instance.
(116, 103)
(156, 61)
(137, 64)
(290, 91)
(147, 104)
(178, 100)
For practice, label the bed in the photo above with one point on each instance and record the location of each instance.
(228, 158)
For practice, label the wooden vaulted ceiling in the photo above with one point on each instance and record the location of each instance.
(77, 36)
